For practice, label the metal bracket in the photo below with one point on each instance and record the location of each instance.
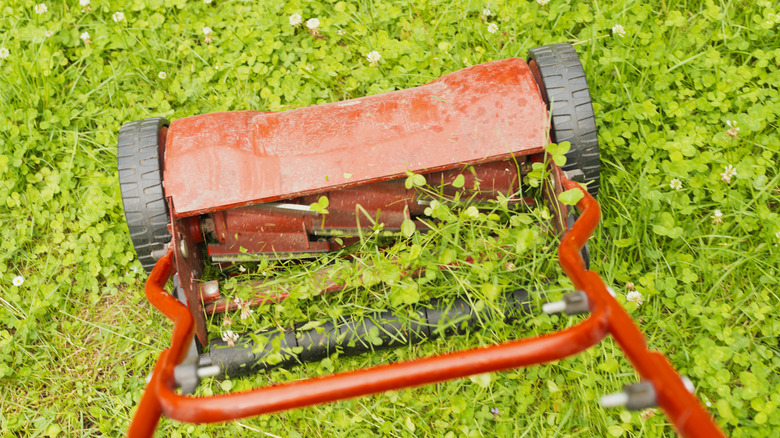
(195, 366)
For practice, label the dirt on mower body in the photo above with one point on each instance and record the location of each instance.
(232, 187)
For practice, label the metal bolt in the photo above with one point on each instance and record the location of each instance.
(209, 291)
(573, 303)
(554, 307)
(634, 397)
(209, 371)
(614, 400)
(638, 396)
(183, 248)
(207, 225)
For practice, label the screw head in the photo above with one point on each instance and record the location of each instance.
(183, 248)
(209, 291)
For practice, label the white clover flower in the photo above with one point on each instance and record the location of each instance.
(295, 20)
(4, 53)
(48, 34)
(542, 2)
(733, 130)
(243, 306)
(118, 16)
(209, 35)
(41, 8)
(492, 28)
(230, 337)
(373, 57)
(85, 37)
(246, 311)
(675, 183)
(635, 297)
(717, 217)
(18, 280)
(618, 30)
(314, 25)
(84, 2)
(486, 13)
(729, 171)
(162, 75)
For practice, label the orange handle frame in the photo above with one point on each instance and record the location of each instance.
(607, 317)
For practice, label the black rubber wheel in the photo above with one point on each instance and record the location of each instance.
(561, 78)
(139, 155)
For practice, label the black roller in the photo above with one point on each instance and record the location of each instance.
(353, 336)
(320, 342)
(248, 356)
(453, 318)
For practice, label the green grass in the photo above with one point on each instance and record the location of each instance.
(78, 339)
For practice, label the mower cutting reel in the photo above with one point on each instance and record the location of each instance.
(246, 186)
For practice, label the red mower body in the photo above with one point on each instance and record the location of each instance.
(247, 178)
(483, 113)
(248, 185)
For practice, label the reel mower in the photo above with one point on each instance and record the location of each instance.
(217, 190)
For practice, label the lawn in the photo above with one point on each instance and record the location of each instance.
(688, 131)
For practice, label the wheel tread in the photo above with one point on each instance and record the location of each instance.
(573, 120)
(140, 181)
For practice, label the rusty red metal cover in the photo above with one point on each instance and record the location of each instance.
(223, 160)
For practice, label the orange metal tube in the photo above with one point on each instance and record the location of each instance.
(149, 409)
(608, 316)
(682, 407)
(386, 377)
